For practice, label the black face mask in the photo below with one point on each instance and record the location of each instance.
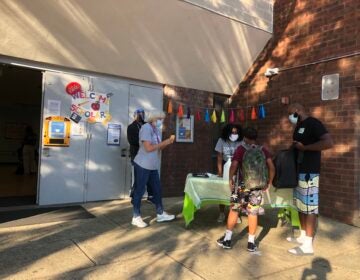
(140, 120)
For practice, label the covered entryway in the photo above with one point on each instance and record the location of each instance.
(20, 109)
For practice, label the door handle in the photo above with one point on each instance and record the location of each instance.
(123, 152)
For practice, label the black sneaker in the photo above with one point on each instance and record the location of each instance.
(251, 247)
(225, 244)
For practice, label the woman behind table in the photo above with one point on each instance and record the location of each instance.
(146, 165)
(229, 140)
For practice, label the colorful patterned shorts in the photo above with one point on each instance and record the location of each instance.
(247, 201)
(306, 195)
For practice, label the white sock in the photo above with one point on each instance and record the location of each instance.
(228, 234)
(300, 239)
(251, 238)
(307, 246)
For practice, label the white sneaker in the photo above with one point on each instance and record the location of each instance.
(164, 217)
(298, 240)
(221, 218)
(137, 221)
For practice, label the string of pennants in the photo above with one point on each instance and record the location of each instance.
(210, 115)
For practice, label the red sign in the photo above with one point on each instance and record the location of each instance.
(73, 88)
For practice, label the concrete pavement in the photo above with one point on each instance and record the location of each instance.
(108, 247)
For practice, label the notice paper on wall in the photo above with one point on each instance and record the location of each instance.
(78, 129)
(113, 134)
(54, 107)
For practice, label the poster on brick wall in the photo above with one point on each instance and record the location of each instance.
(185, 129)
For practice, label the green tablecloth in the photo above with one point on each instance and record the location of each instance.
(214, 190)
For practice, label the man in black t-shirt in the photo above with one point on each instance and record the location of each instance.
(310, 137)
(133, 132)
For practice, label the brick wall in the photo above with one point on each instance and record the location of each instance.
(309, 39)
(180, 159)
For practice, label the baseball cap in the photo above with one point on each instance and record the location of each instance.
(139, 111)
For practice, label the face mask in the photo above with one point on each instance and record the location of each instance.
(159, 124)
(234, 137)
(293, 118)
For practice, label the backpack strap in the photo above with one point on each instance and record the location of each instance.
(247, 146)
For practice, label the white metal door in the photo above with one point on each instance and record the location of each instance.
(106, 164)
(90, 169)
(61, 168)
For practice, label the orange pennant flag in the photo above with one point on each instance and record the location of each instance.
(169, 109)
(253, 113)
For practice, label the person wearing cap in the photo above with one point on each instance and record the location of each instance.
(133, 139)
(133, 132)
(147, 164)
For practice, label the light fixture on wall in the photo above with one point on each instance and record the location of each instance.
(270, 72)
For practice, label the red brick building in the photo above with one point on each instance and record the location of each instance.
(311, 39)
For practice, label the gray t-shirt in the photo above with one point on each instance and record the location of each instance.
(227, 148)
(148, 160)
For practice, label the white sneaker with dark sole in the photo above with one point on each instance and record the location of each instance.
(164, 217)
(137, 221)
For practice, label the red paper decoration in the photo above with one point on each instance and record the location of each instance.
(232, 116)
(253, 113)
(180, 111)
(198, 116)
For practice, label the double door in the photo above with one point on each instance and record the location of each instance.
(90, 169)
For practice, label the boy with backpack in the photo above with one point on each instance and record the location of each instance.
(256, 173)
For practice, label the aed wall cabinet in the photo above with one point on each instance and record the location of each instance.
(57, 131)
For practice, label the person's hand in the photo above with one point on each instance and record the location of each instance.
(269, 185)
(172, 139)
(298, 145)
(231, 185)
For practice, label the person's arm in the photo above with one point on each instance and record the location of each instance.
(219, 147)
(219, 164)
(271, 168)
(324, 143)
(150, 147)
(233, 168)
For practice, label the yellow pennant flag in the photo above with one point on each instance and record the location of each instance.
(213, 116)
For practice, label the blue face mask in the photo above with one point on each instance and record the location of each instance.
(159, 124)
(293, 118)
